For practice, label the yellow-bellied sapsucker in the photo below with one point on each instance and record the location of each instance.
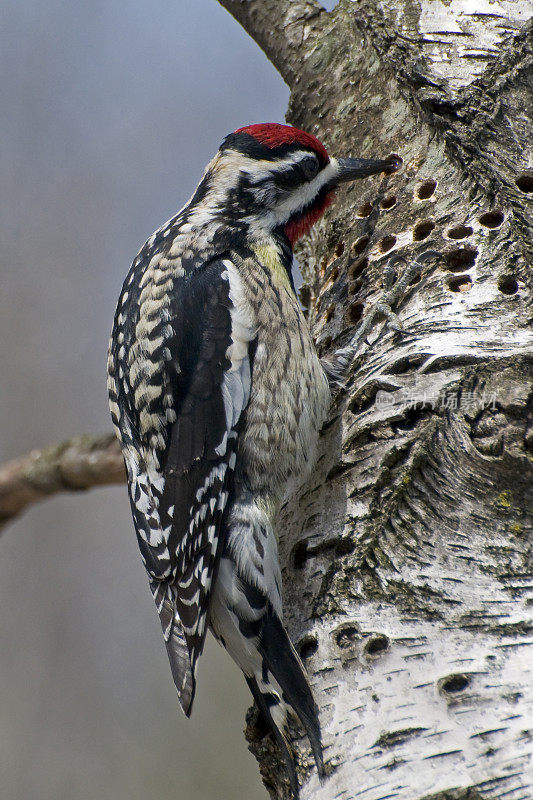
(217, 395)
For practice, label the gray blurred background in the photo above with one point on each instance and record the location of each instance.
(109, 113)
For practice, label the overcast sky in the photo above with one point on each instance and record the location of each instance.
(110, 111)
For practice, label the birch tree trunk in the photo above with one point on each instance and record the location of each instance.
(407, 568)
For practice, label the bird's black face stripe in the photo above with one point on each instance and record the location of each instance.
(297, 174)
(249, 146)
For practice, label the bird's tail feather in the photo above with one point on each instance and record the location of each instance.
(249, 627)
(282, 661)
(266, 702)
(178, 649)
(182, 671)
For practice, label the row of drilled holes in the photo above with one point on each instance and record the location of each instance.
(457, 260)
(463, 259)
(524, 182)
(424, 192)
(422, 229)
(390, 201)
(346, 637)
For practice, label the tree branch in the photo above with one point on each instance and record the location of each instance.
(282, 29)
(75, 465)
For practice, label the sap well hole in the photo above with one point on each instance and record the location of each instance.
(354, 313)
(365, 210)
(299, 554)
(359, 246)
(357, 268)
(525, 182)
(507, 284)
(491, 219)
(462, 283)
(386, 244)
(346, 635)
(377, 644)
(396, 165)
(422, 229)
(308, 646)
(455, 683)
(426, 189)
(388, 202)
(460, 232)
(461, 259)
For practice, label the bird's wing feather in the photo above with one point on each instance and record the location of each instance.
(180, 374)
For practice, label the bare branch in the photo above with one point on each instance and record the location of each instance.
(283, 29)
(75, 465)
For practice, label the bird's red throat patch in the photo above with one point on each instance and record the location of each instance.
(299, 227)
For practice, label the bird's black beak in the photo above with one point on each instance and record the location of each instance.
(352, 168)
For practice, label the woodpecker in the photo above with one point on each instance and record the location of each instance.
(217, 395)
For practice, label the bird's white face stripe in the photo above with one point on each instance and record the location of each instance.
(305, 194)
(279, 214)
(225, 172)
(258, 169)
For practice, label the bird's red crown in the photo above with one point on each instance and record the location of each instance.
(273, 134)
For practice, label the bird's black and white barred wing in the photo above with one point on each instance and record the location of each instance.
(179, 380)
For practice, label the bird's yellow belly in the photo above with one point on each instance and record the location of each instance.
(289, 397)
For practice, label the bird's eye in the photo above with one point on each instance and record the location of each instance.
(309, 165)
